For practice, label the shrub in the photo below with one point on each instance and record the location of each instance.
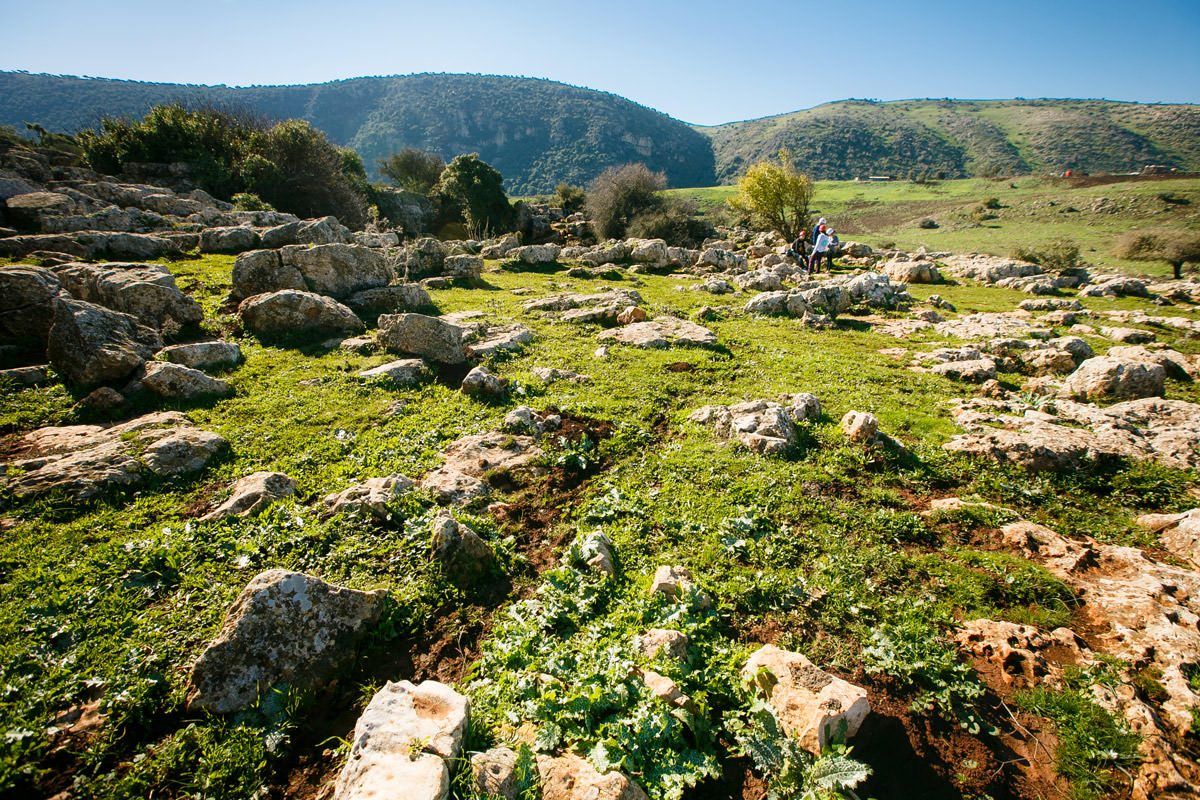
(775, 196)
(675, 221)
(477, 190)
(619, 194)
(1060, 254)
(246, 201)
(992, 203)
(570, 198)
(412, 169)
(290, 165)
(927, 224)
(1174, 247)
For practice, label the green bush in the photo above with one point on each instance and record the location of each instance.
(674, 221)
(571, 198)
(1059, 254)
(991, 203)
(247, 201)
(475, 189)
(1174, 247)
(289, 165)
(413, 170)
(619, 194)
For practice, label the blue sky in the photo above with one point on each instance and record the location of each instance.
(700, 61)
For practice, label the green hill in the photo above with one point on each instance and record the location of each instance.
(536, 132)
(962, 138)
(539, 133)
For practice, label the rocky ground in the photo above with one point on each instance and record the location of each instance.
(295, 511)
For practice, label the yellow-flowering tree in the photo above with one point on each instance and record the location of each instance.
(775, 196)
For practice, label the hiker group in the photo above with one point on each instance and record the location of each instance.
(818, 245)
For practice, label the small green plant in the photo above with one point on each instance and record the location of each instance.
(1096, 751)
(791, 772)
(247, 201)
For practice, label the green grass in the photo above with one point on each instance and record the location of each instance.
(825, 545)
(1034, 213)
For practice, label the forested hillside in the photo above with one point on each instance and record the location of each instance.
(539, 133)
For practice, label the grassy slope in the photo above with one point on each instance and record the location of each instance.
(964, 137)
(115, 598)
(1035, 212)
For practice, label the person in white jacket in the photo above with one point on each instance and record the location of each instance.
(820, 250)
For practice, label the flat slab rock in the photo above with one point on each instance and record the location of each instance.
(251, 494)
(1167, 431)
(371, 496)
(404, 742)
(86, 460)
(285, 627)
(661, 333)
(460, 478)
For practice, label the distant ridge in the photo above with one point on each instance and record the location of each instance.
(539, 132)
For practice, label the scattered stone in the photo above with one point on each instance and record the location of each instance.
(285, 627)
(1179, 533)
(372, 496)
(552, 374)
(403, 372)
(338, 270)
(464, 556)
(524, 419)
(262, 272)
(495, 773)
(974, 371)
(535, 254)
(1174, 363)
(1116, 287)
(859, 426)
(937, 301)
(676, 584)
(662, 332)
(631, 315)
(294, 312)
(363, 345)
(501, 338)
(912, 272)
(596, 551)
(658, 642)
(420, 335)
(569, 777)
(464, 267)
(404, 743)
(810, 703)
(761, 425)
(667, 690)
(1127, 335)
(252, 494)
(481, 382)
(103, 399)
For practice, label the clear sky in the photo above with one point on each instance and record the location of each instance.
(701, 61)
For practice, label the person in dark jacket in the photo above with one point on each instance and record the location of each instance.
(817, 230)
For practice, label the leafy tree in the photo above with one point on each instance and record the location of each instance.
(619, 194)
(775, 196)
(412, 169)
(478, 190)
(571, 198)
(1174, 247)
(674, 221)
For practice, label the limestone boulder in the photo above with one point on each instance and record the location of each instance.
(372, 496)
(228, 240)
(463, 266)
(553, 374)
(421, 335)
(481, 382)
(390, 299)
(338, 270)
(496, 774)
(763, 426)
(28, 296)
(810, 703)
(89, 344)
(973, 371)
(912, 272)
(294, 312)
(203, 355)
(464, 556)
(676, 583)
(1174, 363)
(177, 382)
(261, 272)
(285, 627)
(859, 426)
(145, 291)
(1111, 377)
(460, 478)
(251, 494)
(500, 338)
(661, 643)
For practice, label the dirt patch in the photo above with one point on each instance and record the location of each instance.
(680, 366)
(1083, 181)
(907, 750)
